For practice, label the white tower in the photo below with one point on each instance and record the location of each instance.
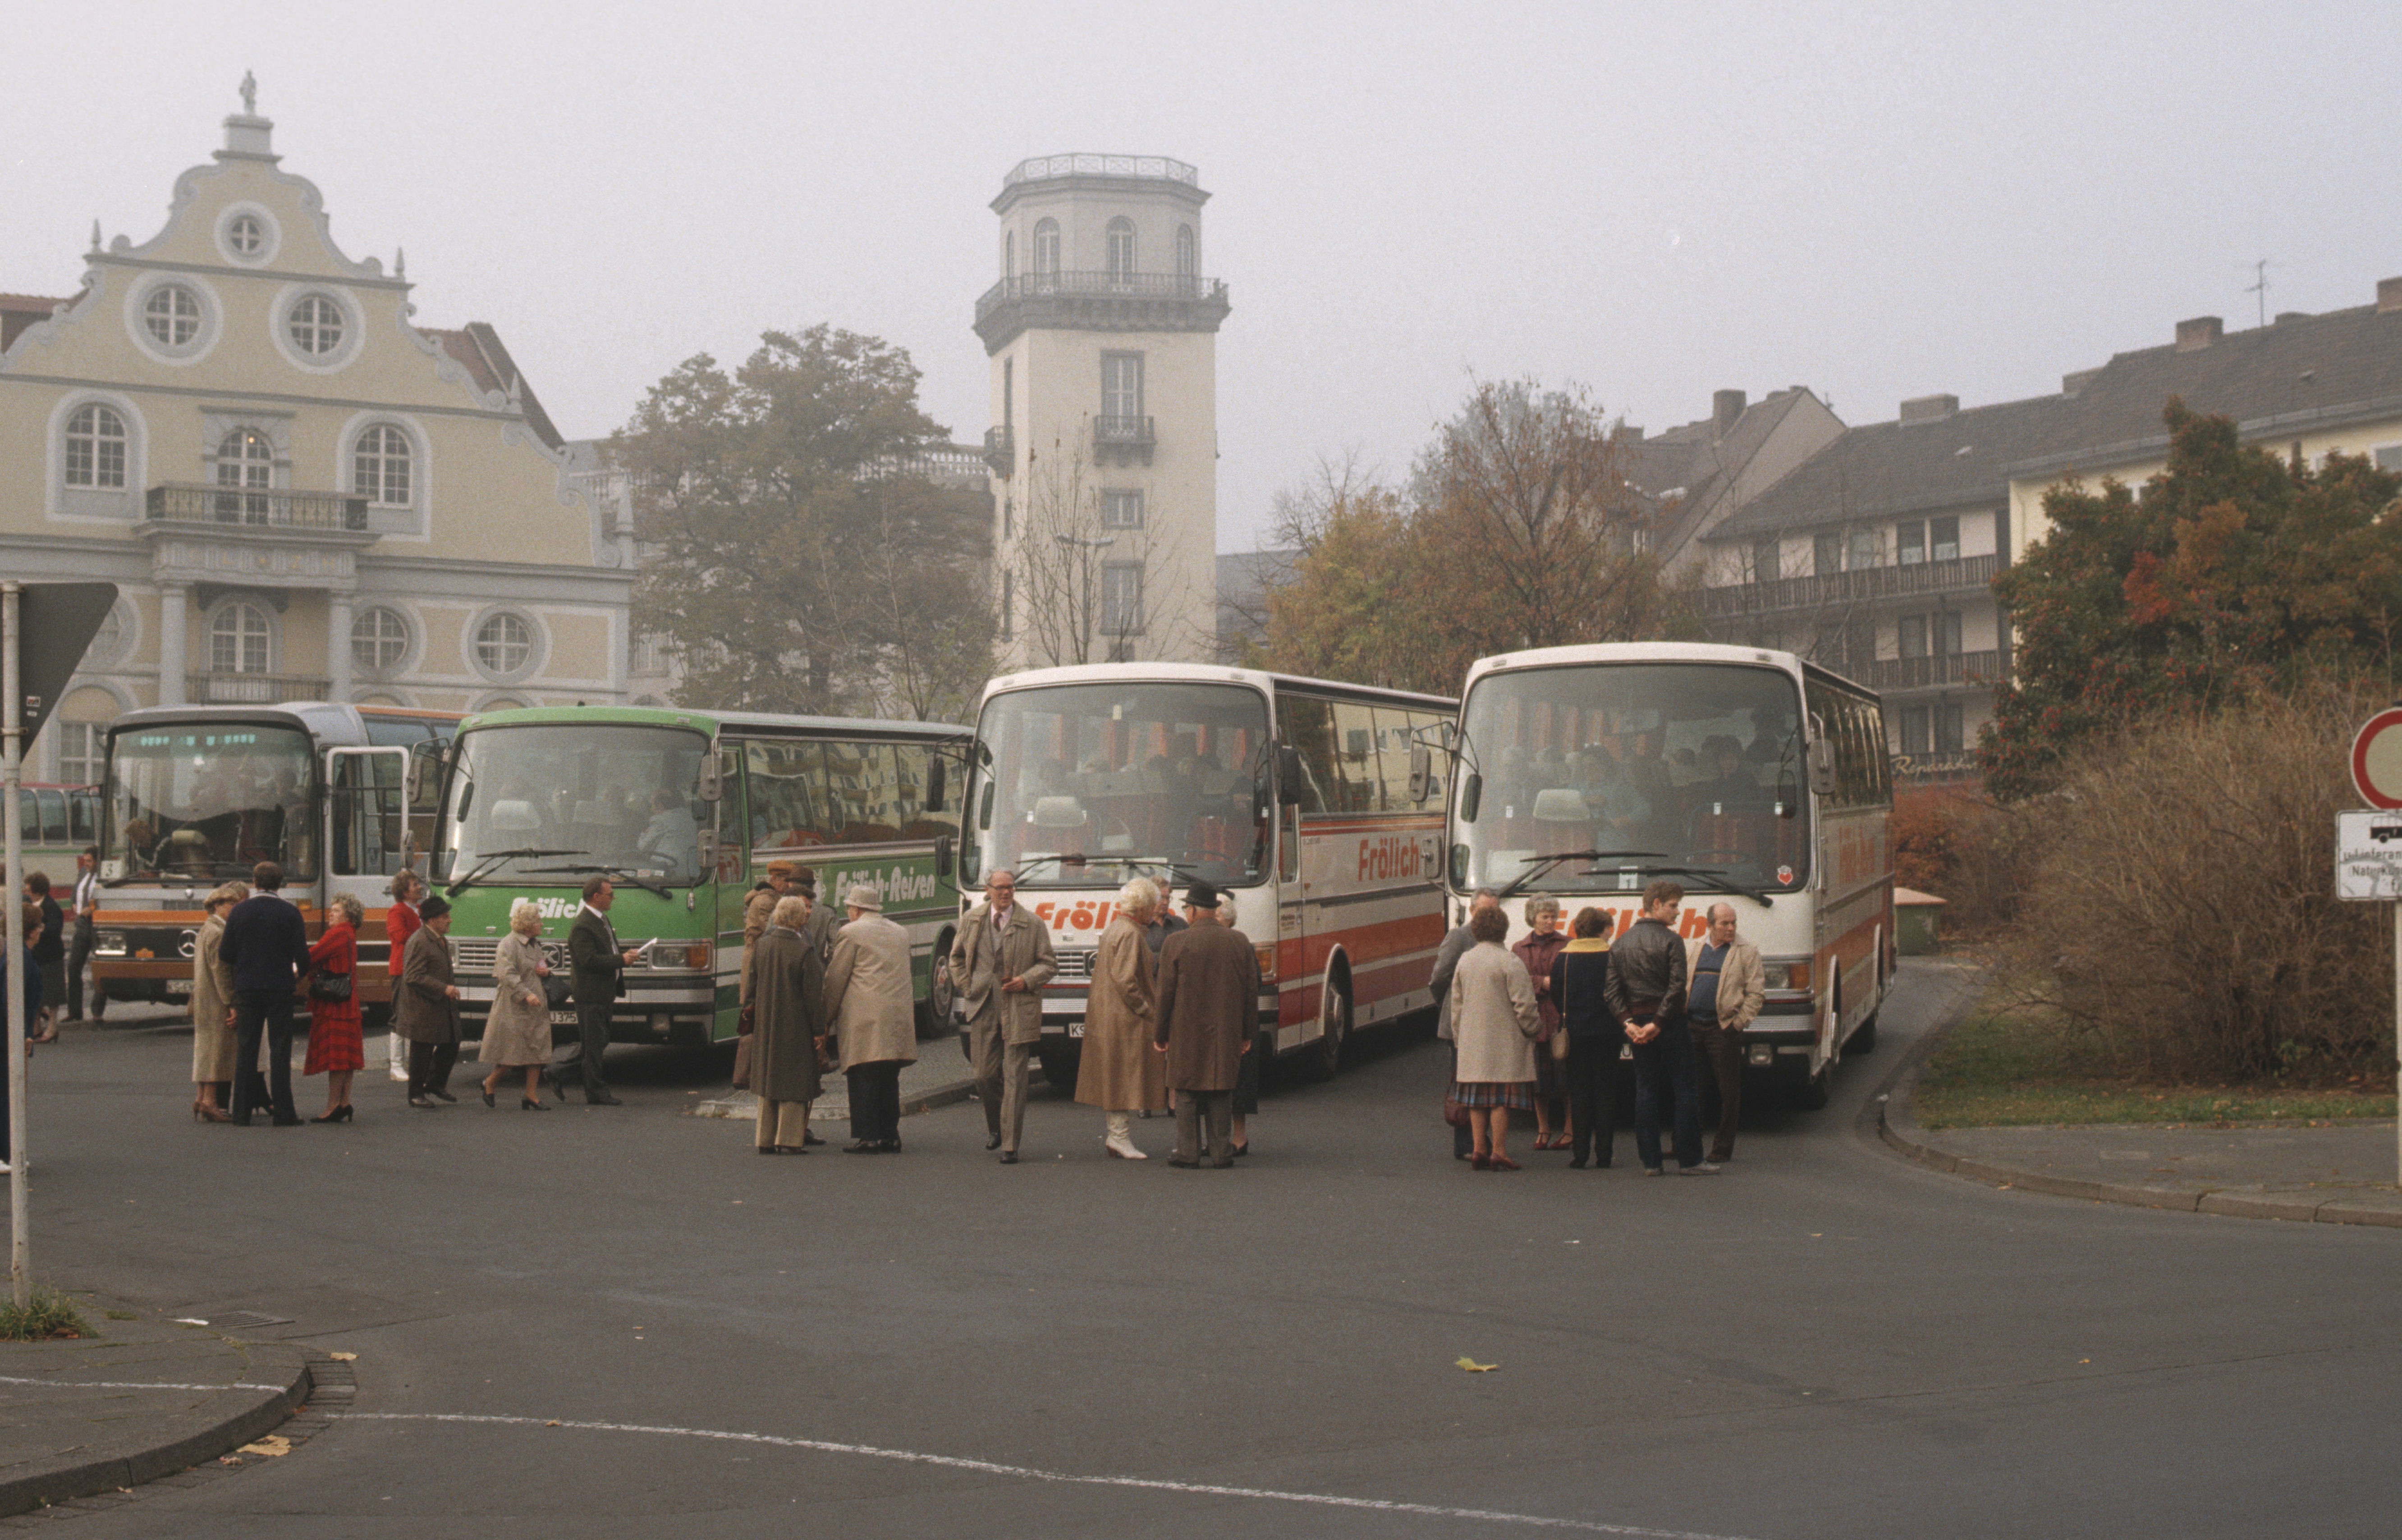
(1103, 340)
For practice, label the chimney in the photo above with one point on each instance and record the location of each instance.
(1929, 408)
(2200, 333)
(2074, 384)
(2389, 295)
(1725, 408)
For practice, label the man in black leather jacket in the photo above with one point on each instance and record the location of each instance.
(1647, 988)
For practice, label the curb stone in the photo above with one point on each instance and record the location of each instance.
(1900, 1130)
(232, 1420)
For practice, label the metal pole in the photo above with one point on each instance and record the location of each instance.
(2398, 1044)
(12, 733)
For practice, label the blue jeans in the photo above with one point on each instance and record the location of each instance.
(1671, 1050)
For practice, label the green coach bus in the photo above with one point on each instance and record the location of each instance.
(683, 810)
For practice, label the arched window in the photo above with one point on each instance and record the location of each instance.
(238, 638)
(315, 325)
(1009, 254)
(95, 447)
(379, 466)
(378, 639)
(245, 459)
(1121, 248)
(1046, 248)
(1187, 260)
(503, 644)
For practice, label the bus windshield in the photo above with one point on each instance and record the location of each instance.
(1697, 765)
(1083, 784)
(209, 801)
(606, 795)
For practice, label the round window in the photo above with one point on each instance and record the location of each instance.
(378, 639)
(503, 644)
(171, 315)
(315, 325)
(246, 235)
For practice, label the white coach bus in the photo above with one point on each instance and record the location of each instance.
(1292, 794)
(1748, 776)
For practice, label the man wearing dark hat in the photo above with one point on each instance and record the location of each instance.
(821, 925)
(1208, 1004)
(758, 906)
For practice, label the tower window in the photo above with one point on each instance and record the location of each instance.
(1009, 254)
(1122, 510)
(1121, 249)
(1046, 248)
(1122, 385)
(1121, 597)
(1187, 258)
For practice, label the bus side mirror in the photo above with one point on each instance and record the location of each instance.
(1472, 796)
(1822, 767)
(1287, 774)
(1421, 767)
(983, 813)
(424, 765)
(711, 786)
(943, 859)
(937, 778)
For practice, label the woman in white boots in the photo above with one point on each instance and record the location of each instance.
(1120, 1072)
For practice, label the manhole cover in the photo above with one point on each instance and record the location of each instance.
(248, 1320)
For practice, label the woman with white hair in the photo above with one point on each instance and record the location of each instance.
(1120, 1071)
(516, 1033)
(788, 1028)
(1539, 949)
(335, 1048)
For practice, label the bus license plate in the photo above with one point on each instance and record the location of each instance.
(563, 1018)
(1076, 1029)
(179, 986)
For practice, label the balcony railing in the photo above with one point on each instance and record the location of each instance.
(1123, 439)
(1098, 285)
(1962, 575)
(1000, 451)
(1930, 672)
(271, 507)
(251, 689)
(1042, 168)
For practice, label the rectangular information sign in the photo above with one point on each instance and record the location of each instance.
(2368, 855)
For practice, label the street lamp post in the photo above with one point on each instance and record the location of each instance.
(1084, 611)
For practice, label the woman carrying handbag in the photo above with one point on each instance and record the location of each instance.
(335, 1048)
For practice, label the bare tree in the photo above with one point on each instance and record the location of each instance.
(1088, 589)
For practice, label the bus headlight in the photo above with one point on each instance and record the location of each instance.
(1268, 963)
(696, 957)
(1797, 976)
(108, 943)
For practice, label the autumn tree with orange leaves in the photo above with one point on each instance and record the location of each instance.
(2231, 571)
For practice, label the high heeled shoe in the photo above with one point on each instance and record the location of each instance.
(488, 1096)
(527, 1104)
(203, 1113)
(339, 1115)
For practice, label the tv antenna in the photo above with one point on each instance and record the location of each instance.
(2259, 287)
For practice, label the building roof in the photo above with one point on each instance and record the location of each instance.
(2300, 372)
(1697, 464)
(486, 360)
(18, 311)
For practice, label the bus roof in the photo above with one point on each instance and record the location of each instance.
(328, 722)
(1661, 652)
(1203, 673)
(717, 722)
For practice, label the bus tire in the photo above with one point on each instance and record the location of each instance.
(1863, 1037)
(1059, 1061)
(934, 1011)
(1334, 1008)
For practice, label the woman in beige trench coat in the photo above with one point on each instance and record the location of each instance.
(516, 1033)
(1119, 1071)
(213, 1039)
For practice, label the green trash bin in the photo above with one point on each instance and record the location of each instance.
(1917, 928)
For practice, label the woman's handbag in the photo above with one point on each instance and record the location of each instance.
(1453, 1113)
(1559, 1042)
(558, 992)
(743, 1062)
(330, 988)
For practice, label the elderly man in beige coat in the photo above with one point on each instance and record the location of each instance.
(1119, 1071)
(1725, 988)
(1001, 959)
(875, 1013)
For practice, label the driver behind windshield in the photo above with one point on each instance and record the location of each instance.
(672, 835)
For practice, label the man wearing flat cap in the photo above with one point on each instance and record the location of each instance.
(1208, 1003)
(875, 1013)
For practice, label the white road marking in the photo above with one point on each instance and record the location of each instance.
(989, 1467)
(121, 1384)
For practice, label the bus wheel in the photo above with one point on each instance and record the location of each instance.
(1810, 1095)
(1336, 1019)
(934, 1011)
(1059, 1062)
(1863, 1037)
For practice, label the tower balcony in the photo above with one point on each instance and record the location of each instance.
(1000, 451)
(1120, 440)
(1099, 302)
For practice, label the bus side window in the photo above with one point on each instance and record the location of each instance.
(1308, 725)
(1355, 757)
(917, 823)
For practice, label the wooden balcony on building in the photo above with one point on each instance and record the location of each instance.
(1888, 675)
(1964, 575)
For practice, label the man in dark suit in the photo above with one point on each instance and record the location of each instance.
(1209, 1006)
(267, 945)
(596, 966)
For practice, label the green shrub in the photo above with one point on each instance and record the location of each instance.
(46, 1314)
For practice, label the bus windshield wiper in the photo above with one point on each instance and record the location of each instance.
(462, 884)
(1104, 860)
(1710, 879)
(630, 875)
(1542, 864)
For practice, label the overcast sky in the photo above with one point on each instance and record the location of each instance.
(1657, 202)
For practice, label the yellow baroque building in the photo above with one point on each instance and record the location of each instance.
(300, 493)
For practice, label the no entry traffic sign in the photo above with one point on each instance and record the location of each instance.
(2377, 758)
